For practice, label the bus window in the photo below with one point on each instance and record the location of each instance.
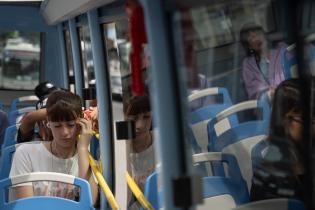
(113, 59)
(87, 57)
(140, 158)
(238, 50)
(69, 60)
(112, 39)
(118, 49)
(20, 58)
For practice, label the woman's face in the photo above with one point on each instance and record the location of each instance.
(142, 121)
(295, 126)
(65, 132)
(256, 40)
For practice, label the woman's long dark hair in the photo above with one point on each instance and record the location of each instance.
(137, 105)
(287, 99)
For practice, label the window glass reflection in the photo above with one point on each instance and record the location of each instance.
(19, 59)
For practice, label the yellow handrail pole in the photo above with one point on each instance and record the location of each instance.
(138, 194)
(101, 181)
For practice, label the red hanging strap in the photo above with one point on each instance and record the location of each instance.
(138, 38)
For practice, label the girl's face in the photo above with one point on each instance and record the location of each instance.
(256, 40)
(294, 127)
(142, 121)
(65, 133)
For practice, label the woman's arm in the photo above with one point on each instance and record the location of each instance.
(254, 82)
(28, 122)
(85, 171)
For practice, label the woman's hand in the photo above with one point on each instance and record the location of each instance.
(86, 133)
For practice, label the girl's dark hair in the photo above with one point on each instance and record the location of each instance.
(63, 106)
(43, 89)
(287, 99)
(137, 105)
(244, 33)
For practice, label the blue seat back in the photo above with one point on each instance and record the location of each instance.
(4, 123)
(273, 204)
(223, 132)
(151, 191)
(10, 136)
(192, 141)
(14, 115)
(46, 202)
(201, 116)
(289, 60)
(6, 161)
(239, 139)
(257, 152)
(289, 63)
(209, 111)
(30, 100)
(233, 184)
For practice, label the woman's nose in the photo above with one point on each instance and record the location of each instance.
(139, 124)
(65, 130)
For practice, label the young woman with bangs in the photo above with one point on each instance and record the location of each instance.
(66, 153)
(281, 172)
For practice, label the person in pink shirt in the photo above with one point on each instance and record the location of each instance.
(262, 68)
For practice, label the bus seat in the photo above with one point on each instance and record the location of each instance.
(289, 60)
(243, 151)
(192, 141)
(233, 174)
(273, 204)
(258, 152)
(46, 202)
(221, 125)
(6, 160)
(151, 191)
(222, 193)
(201, 116)
(239, 139)
(10, 136)
(230, 190)
(289, 63)
(16, 115)
(203, 169)
(30, 100)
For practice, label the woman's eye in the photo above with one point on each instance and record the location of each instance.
(132, 118)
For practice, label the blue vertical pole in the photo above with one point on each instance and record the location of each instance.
(76, 56)
(167, 100)
(103, 98)
(63, 56)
